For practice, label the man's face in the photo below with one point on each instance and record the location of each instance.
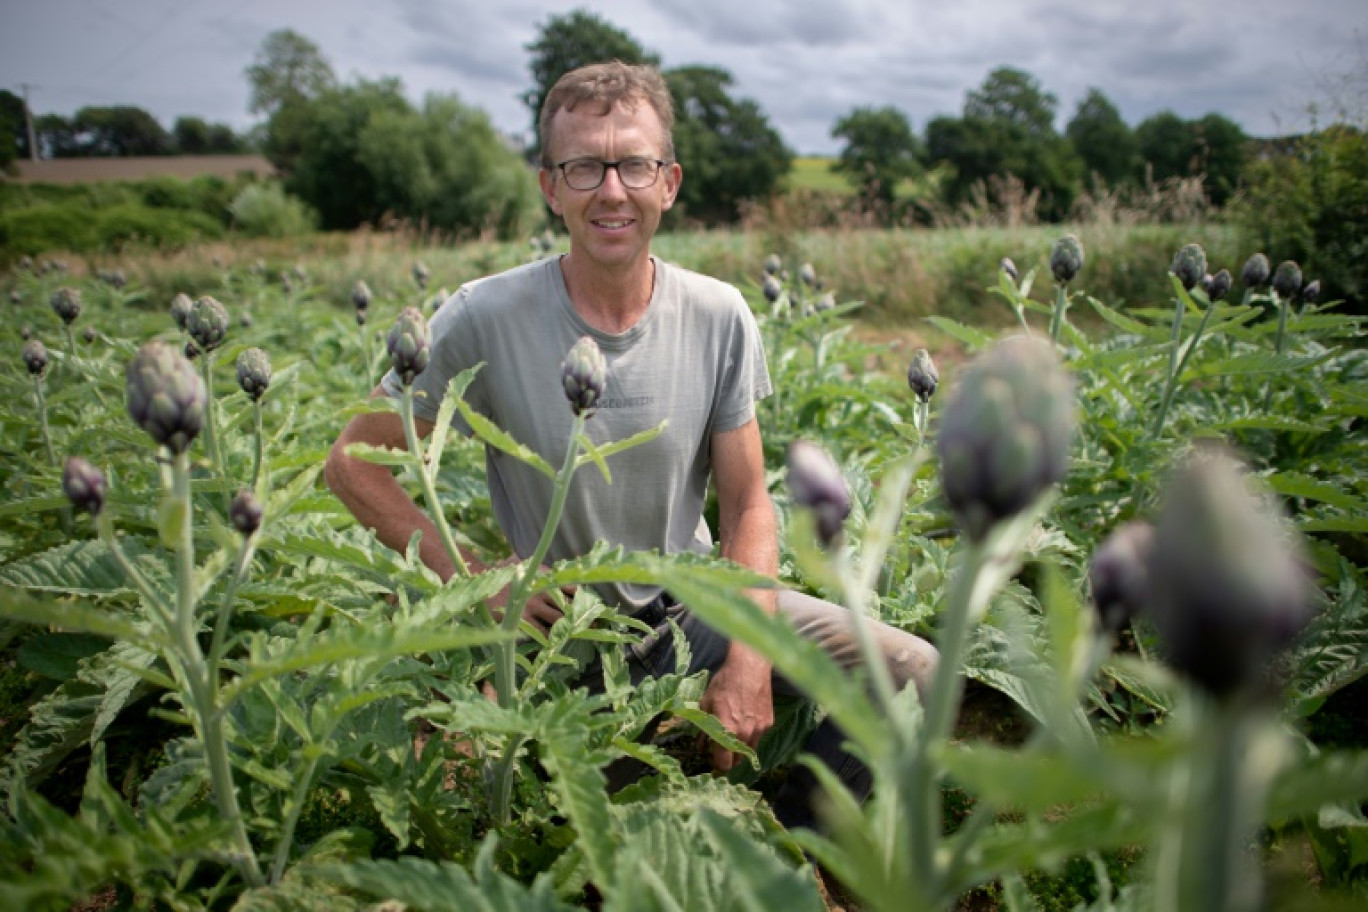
(612, 225)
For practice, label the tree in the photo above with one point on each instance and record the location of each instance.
(119, 130)
(13, 129)
(1166, 145)
(568, 42)
(729, 151)
(880, 151)
(1221, 150)
(196, 137)
(1106, 145)
(1013, 98)
(290, 73)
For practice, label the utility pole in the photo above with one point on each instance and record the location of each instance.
(28, 117)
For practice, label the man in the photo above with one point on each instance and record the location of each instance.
(679, 346)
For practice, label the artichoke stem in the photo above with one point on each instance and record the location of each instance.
(43, 421)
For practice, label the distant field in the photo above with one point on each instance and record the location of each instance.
(93, 170)
(811, 172)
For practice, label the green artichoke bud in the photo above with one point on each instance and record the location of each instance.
(88, 334)
(815, 482)
(245, 513)
(84, 485)
(1066, 259)
(1118, 575)
(166, 397)
(409, 345)
(1006, 265)
(772, 289)
(922, 375)
(254, 373)
(1228, 591)
(181, 305)
(421, 274)
(361, 295)
(207, 323)
(1217, 286)
(773, 264)
(807, 274)
(1189, 265)
(66, 302)
(1287, 281)
(583, 373)
(1256, 271)
(35, 357)
(1005, 433)
(1312, 291)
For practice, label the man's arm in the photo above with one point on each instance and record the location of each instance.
(739, 693)
(379, 502)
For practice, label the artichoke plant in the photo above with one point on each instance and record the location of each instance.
(807, 274)
(1005, 433)
(1066, 259)
(84, 485)
(254, 373)
(1189, 265)
(181, 305)
(922, 376)
(245, 513)
(1006, 265)
(583, 374)
(66, 303)
(1256, 271)
(1287, 280)
(1217, 286)
(1311, 291)
(421, 274)
(773, 264)
(1118, 574)
(207, 323)
(409, 345)
(815, 482)
(361, 295)
(35, 357)
(166, 397)
(771, 288)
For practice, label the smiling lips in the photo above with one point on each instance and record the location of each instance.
(612, 224)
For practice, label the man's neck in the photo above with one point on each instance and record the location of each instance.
(610, 301)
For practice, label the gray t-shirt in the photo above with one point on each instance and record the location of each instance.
(695, 358)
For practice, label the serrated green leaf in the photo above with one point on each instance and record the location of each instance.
(1292, 484)
(1124, 323)
(56, 655)
(441, 427)
(1303, 787)
(974, 339)
(1253, 363)
(381, 455)
(582, 792)
(493, 435)
(443, 886)
(173, 514)
(83, 568)
(1335, 524)
(599, 454)
(1267, 423)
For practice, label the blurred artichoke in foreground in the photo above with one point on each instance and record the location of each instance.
(166, 397)
(245, 513)
(181, 305)
(207, 324)
(1005, 433)
(66, 303)
(815, 482)
(254, 373)
(1228, 588)
(35, 357)
(84, 485)
(409, 345)
(922, 375)
(583, 374)
(1287, 281)
(1118, 574)
(1256, 271)
(1189, 265)
(1066, 259)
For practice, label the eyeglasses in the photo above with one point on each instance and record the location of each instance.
(588, 173)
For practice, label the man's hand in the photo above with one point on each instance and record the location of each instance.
(739, 695)
(541, 610)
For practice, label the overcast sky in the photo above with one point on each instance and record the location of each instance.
(1259, 62)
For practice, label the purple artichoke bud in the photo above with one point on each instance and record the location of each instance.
(773, 264)
(166, 397)
(1189, 265)
(181, 305)
(815, 482)
(254, 373)
(35, 357)
(1066, 259)
(1312, 291)
(1256, 271)
(1287, 281)
(361, 295)
(84, 485)
(1005, 433)
(421, 274)
(807, 274)
(245, 513)
(88, 334)
(207, 323)
(1228, 591)
(361, 316)
(1007, 266)
(409, 345)
(191, 350)
(1217, 286)
(583, 373)
(1119, 574)
(66, 302)
(922, 375)
(771, 287)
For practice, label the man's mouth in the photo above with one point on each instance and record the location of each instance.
(612, 224)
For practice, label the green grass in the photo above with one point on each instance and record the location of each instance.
(817, 173)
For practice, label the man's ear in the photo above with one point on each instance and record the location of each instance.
(548, 189)
(673, 176)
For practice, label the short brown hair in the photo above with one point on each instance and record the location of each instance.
(607, 84)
